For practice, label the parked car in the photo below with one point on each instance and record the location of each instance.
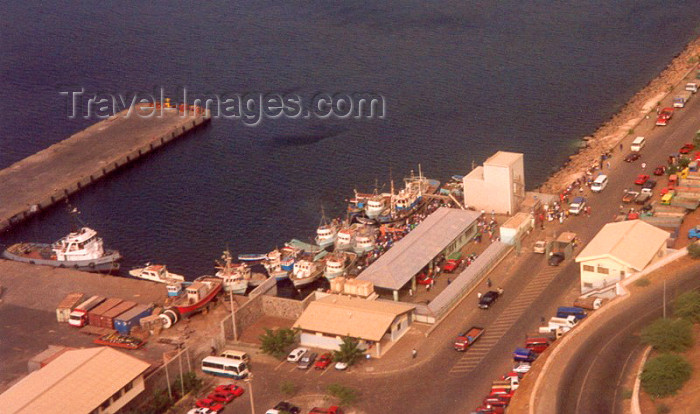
(649, 184)
(451, 265)
(202, 410)
(307, 360)
(694, 233)
(632, 157)
(284, 407)
(660, 170)
(222, 397)
(423, 279)
(641, 179)
(341, 366)
(629, 196)
(685, 149)
(524, 355)
(296, 354)
(522, 368)
(232, 389)
(209, 403)
(488, 299)
(324, 361)
(555, 258)
(540, 246)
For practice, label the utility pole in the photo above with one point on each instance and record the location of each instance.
(233, 316)
(249, 380)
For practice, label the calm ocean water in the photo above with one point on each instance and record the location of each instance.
(461, 80)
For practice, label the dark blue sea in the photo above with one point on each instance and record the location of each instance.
(461, 80)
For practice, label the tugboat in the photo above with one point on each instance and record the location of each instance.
(326, 232)
(338, 263)
(156, 273)
(305, 272)
(233, 275)
(81, 249)
(196, 299)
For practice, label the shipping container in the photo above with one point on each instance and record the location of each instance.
(94, 315)
(67, 305)
(107, 318)
(127, 320)
(78, 317)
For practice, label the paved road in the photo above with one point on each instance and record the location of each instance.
(593, 375)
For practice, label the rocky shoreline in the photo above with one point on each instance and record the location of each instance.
(609, 135)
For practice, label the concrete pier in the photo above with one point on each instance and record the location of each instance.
(51, 175)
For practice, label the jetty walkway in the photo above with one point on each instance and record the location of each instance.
(51, 175)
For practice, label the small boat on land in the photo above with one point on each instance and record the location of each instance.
(251, 257)
(338, 264)
(233, 275)
(306, 272)
(156, 273)
(80, 249)
(196, 297)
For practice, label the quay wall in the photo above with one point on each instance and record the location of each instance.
(53, 174)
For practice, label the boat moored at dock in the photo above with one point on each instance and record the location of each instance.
(326, 232)
(338, 264)
(306, 272)
(234, 276)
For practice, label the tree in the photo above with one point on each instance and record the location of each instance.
(277, 342)
(694, 250)
(687, 306)
(349, 351)
(667, 335)
(665, 374)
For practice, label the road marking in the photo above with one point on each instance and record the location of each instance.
(280, 365)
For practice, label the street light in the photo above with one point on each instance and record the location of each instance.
(249, 380)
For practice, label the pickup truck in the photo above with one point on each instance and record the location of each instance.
(643, 197)
(466, 339)
(629, 196)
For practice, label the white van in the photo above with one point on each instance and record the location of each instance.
(236, 355)
(599, 183)
(638, 144)
(565, 323)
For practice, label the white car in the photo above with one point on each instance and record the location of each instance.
(296, 354)
(202, 410)
(341, 366)
(522, 368)
(540, 246)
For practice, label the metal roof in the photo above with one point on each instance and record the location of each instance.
(75, 382)
(409, 255)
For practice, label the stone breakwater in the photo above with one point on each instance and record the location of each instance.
(610, 134)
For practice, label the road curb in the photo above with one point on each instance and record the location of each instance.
(634, 406)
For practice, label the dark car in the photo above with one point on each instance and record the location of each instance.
(284, 406)
(632, 157)
(660, 170)
(307, 360)
(685, 149)
(555, 259)
(649, 184)
(488, 299)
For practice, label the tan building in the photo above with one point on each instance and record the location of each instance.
(618, 250)
(498, 185)
(326, 321)
(83, 381)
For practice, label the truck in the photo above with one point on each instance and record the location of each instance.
(64, 309)
(107, 318)
(78, 317)
(466, 339)
(681, 99)
(511, 383)
(95, 314)
(629, 196)
(127, 320)
(564, 323)
(577, 205)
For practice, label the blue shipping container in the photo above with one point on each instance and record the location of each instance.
(124, 322)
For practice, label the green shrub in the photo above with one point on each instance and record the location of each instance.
(288, 388)
(669, 335)
(665, 374)
(349, 351)
(663, 409)
(687, 306)
(345, 395)
(641, 282)
(277, 342)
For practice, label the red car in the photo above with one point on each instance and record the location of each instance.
(685, 149)
(423, 279)
(641, 179)
(223, 397)
(324, 361)
(451, 265)
(209, 403)
(232, 389)
(664, 116)
(660, 170)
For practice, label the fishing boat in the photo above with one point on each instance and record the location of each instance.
(156, 273)
(365, 239)
(251, 257)
(346, 237)
(274, 260)
(80, 249)
(326, 232)
(234, 275)
(196, 297)
(338, 263)
(306, 272)
(377, 204)
(303, 247)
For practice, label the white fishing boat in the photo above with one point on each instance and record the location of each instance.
(338, 264)
(365, 239)
(273, 265)
(305, 272)
(157, 273)
(326, 232)
(376, 204)
(346, 237)
(235, 275)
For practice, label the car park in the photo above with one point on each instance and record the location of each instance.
(660, 170)
(296, 354)
(324, 361)
(632, 157)
(232, 389)
(488, 299)
(555, 258)
(307, 360)
(641, 179)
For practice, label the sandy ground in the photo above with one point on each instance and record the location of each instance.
(608, 136)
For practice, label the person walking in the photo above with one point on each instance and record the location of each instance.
(620, 147)
(478, 295)
(414, 353)
(644, 165)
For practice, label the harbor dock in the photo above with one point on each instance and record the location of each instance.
(51, 175)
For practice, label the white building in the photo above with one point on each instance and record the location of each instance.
(326, 321)
(84, 381)
(498, 185)
(618, 250)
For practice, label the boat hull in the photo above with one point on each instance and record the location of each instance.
(105, 264)
(186, 310)
(301, 282)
